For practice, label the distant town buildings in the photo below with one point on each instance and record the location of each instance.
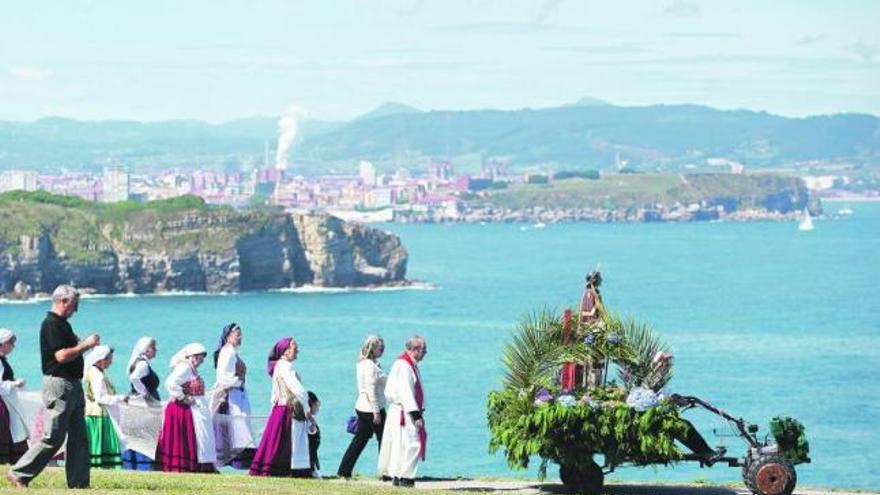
(12, 180)
(115, 185)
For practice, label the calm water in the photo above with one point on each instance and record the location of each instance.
(764, 321)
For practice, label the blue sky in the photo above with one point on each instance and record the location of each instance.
(220, 60)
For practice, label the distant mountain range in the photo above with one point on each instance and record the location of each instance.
(587, 134)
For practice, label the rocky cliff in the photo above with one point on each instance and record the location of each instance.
(187, 246)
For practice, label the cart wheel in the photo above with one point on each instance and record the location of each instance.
(586, 481)
(770, 475)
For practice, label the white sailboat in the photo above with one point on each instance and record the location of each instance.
(806, 221)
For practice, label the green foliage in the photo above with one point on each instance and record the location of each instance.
(791, 438)
(576, 174)
(538, 179)
(530, 358)
(572, 434)
(43, 197)
(644, 344)
(575, 425)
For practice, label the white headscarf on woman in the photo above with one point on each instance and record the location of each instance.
(6, 334)
(188, 350)
(140, 347)
(96, 354)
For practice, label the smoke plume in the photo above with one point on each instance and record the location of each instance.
(287, 129)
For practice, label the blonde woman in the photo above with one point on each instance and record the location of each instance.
(370, 403)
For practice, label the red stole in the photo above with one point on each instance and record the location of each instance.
(420, 402)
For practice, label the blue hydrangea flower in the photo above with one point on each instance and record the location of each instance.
(567, 400)
(613, 339)
(589, 339)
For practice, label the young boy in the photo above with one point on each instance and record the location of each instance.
(314, 435)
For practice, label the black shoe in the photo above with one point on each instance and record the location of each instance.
(385, 477)
(406, 483)
(395, 481)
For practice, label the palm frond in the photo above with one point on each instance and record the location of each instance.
(644, 344)
(530, 357)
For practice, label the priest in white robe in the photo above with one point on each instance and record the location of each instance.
(404, 438)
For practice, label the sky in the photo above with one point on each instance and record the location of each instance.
(220, 60)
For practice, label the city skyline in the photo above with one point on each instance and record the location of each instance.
(219, 61)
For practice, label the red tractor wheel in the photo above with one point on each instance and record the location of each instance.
(770, 475)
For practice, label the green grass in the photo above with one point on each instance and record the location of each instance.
(120, 482)
(87, 232)
(638, 190)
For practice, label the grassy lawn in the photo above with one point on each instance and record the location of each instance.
(124, 482)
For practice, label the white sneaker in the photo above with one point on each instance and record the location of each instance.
(316, 474)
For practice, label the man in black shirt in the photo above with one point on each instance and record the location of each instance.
(61, 352)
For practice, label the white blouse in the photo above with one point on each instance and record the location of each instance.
(289, 378)
(140, 371)
(179, 376)
(371, 386)
(99, 388)
(226, 361)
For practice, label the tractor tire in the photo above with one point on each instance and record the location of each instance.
(585, 481)
(770, 475)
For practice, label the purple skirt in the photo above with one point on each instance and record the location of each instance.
(177, 450)
(10, 451)
(273, 455)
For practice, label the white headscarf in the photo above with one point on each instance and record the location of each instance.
(139, 349)
(5, 335)
(97, 353)
(188, 350)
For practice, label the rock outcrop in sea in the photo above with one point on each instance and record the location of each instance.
(106, 249)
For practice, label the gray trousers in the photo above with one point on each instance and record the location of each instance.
(64, 417)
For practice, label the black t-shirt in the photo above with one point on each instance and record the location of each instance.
(56, 334)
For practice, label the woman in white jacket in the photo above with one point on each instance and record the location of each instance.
(370, 403)
(13, 429)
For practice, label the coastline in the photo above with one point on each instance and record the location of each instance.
(303, 289)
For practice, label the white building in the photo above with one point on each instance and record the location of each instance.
(368, 173)
(18, 180)
(379, 197)
(116, 185)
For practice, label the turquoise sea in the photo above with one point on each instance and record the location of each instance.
(764, 320)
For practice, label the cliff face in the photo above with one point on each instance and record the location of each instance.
(207, 251)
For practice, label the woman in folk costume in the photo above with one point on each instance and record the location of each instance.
(104, 444)
(229, 401)
(370, 403)
(284, 447)
(186, 440)
(144, 392)
(404, 438)
(13, 429)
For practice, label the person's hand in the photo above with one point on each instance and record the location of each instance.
(377, 418)
(92, 341)
(19, 383)
(420, 424)
(125, 399)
